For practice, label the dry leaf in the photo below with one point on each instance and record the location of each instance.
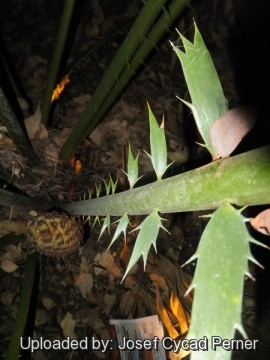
(35, 129)
(5, 140)
(13, 251)
(161, 282)
(67, 325)
(60, 136)
(229, 129)
(85, 283)
(261, 222)
(10, 160)
(48, 303)
(109, 300)
(96, 136)
(129, 282)
(126, 303)
(23, 103)
(42, 132)
(32, 123)
(128, 110)
(98, 18)
(91, 297)
(41, 317)
(83, 99)
(7, 256)
(7, 297)
(107, 261)
(8, 266)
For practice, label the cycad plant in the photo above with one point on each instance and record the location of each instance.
(226, 185)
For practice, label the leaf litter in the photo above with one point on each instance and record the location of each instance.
(81, 292)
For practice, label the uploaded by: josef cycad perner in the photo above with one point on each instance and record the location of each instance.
(167, 343)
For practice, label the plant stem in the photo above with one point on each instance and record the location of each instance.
(123, 67)
(56, 59)
(21, 318)
(16, 131)
(152, 38)
(243, 179)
